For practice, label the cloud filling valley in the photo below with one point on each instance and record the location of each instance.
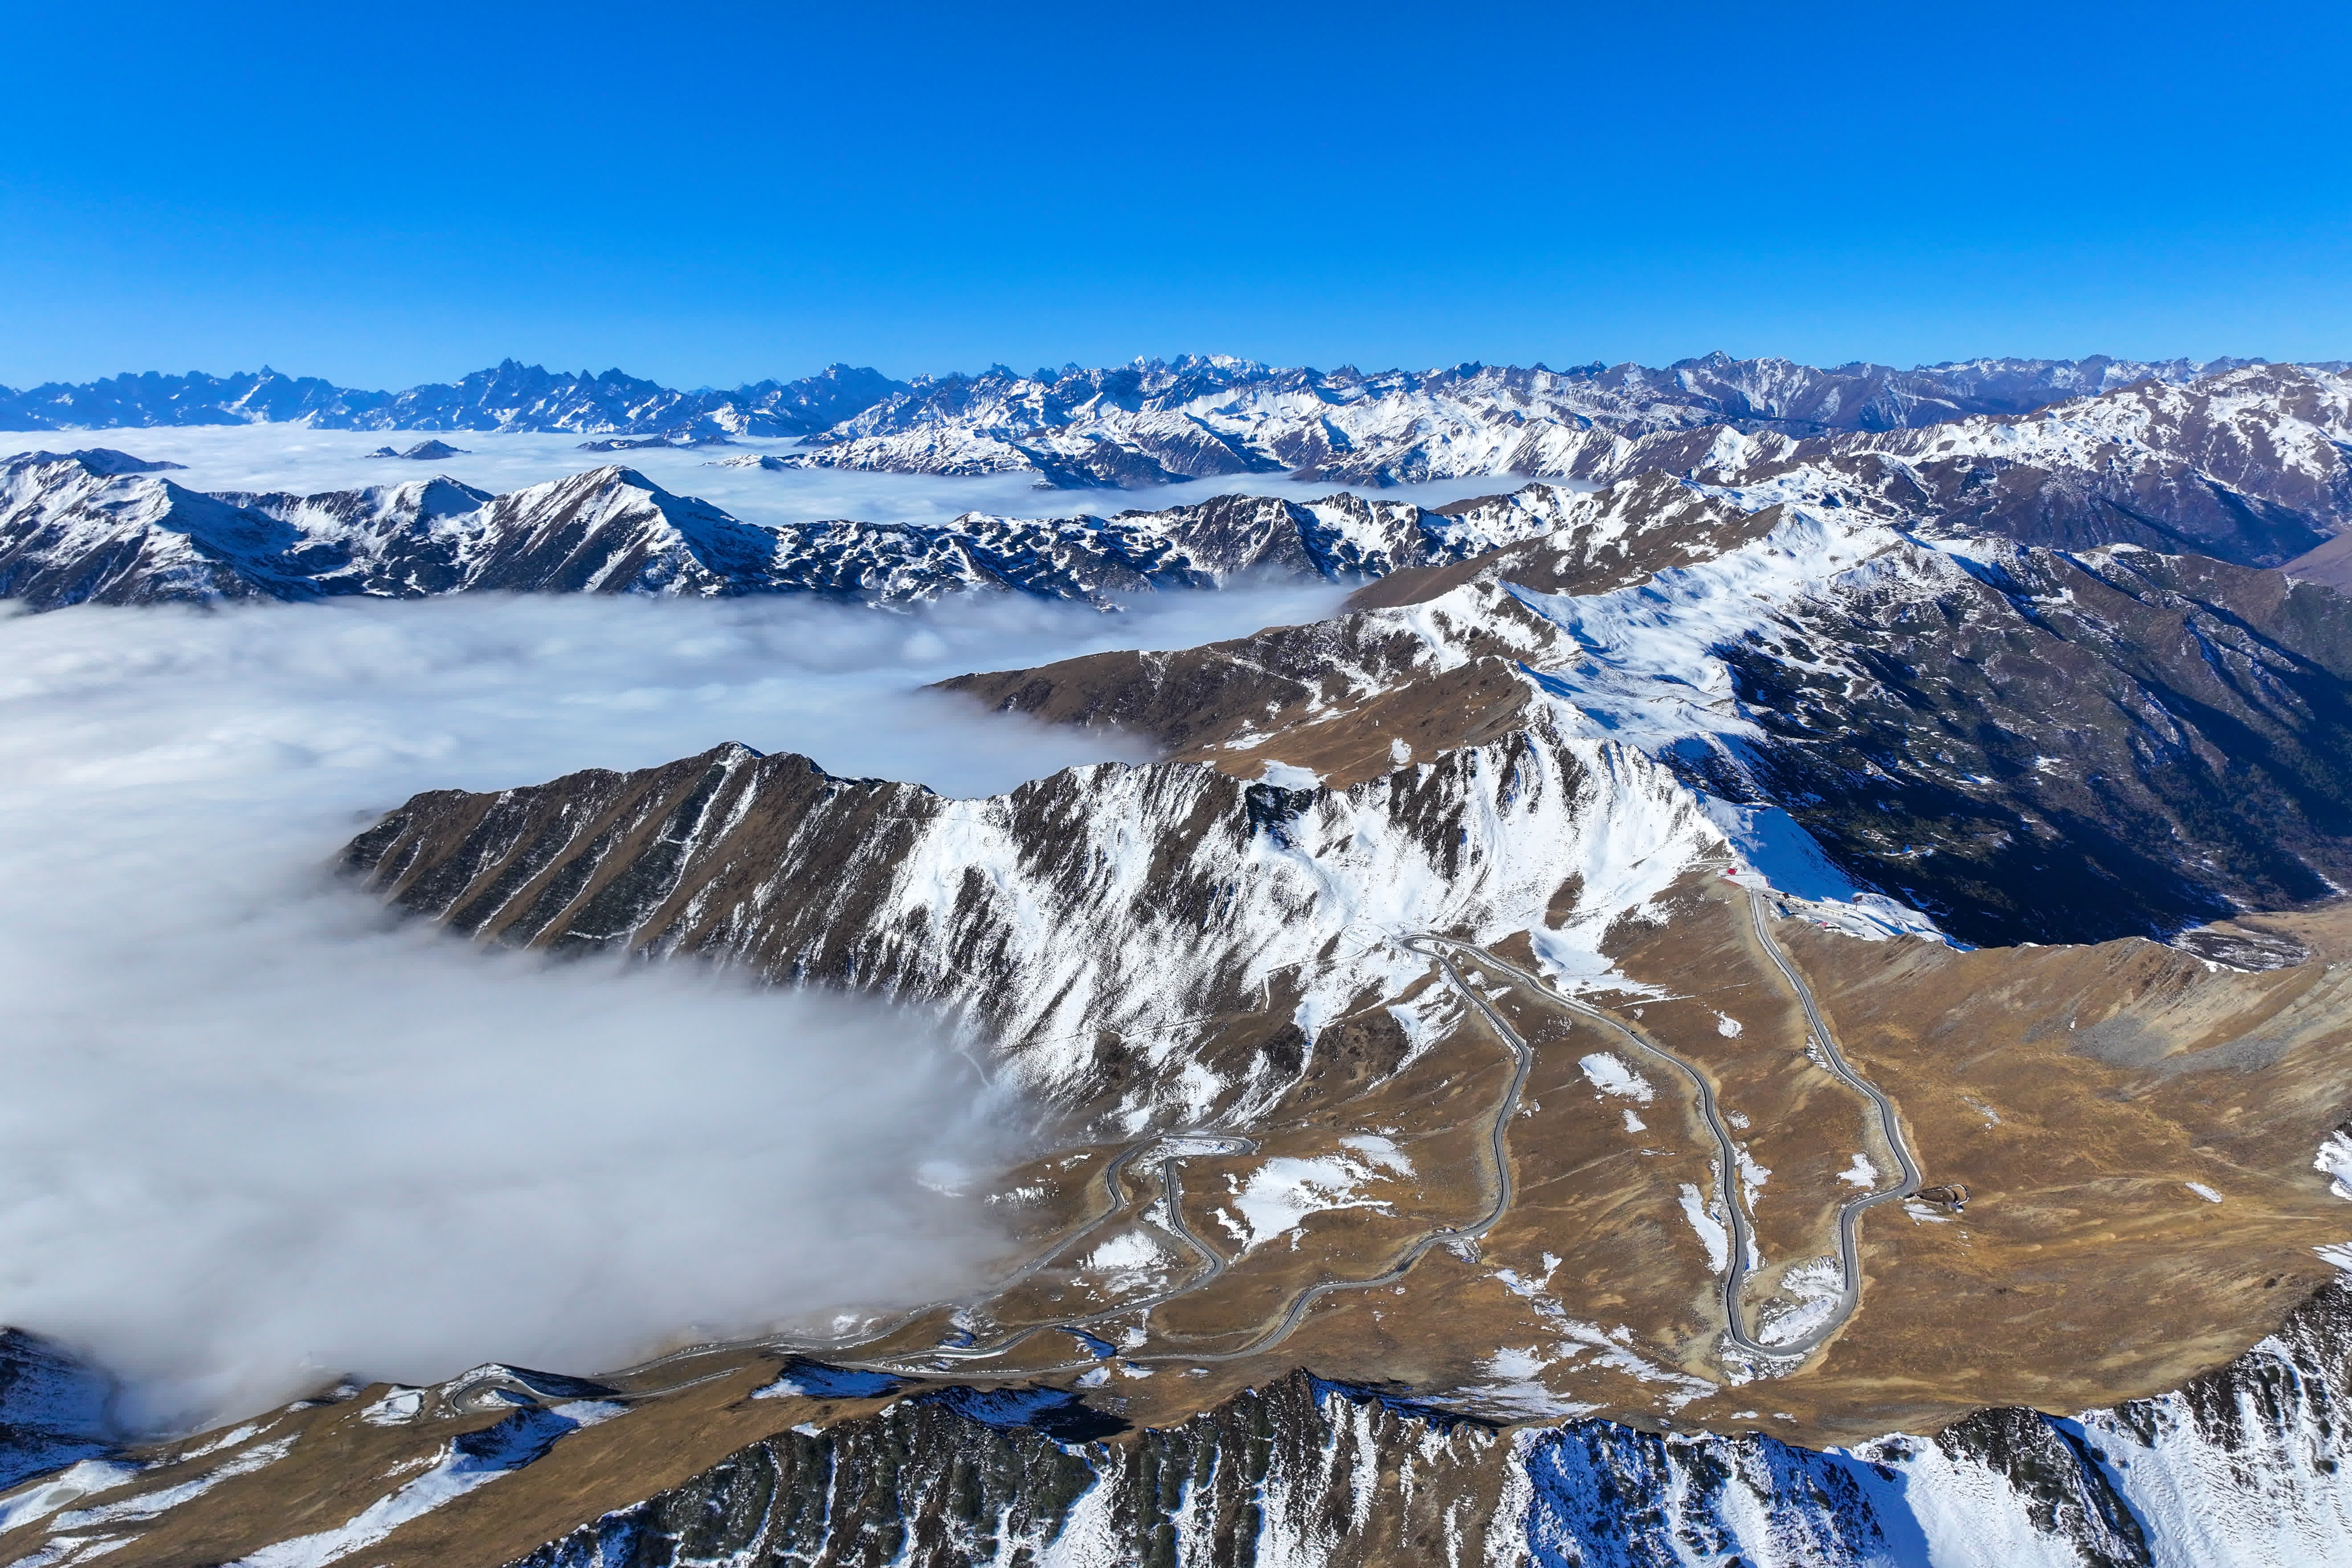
(258, 1132)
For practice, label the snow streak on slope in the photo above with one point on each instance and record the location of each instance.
(1480, 843)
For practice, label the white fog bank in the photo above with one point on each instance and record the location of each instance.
(254, 1133)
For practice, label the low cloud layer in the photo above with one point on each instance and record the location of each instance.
(255, 1133)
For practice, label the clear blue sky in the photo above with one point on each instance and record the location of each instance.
(710, 192)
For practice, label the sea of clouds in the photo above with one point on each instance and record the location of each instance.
(255, 1133)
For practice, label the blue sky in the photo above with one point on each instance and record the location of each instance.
(705, 194)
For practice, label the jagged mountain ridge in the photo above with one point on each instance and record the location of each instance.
(1153, 423)
(1148, 422)
(1120, 932)
(509, 396)
(2252, 465)
(2246, 1464)
(97, 527)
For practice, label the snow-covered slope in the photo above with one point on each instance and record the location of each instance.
(2031, 744)
(1198, 417)
(2247, 465)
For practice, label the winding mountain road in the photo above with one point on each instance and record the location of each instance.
(1890, 1126)
(1176, 1147)
(1734, 1280)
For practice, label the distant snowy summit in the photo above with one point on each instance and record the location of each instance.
(1149, 422)
(423, 452)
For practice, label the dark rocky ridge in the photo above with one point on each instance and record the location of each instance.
(2246, 1463)
(1280, 1476)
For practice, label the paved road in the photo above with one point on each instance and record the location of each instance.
(1890, 1125)
(1214, 1263)
(1734, 1280)
(1523, 1059)
(1171, 1190)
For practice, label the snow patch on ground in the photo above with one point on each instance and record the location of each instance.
(1610, 1074)
(88, 1478)
(2335, 1163)
(1711, 1230)
(813, 1380)
(1128, 1250)
(1516, 1373)
(1861, 1174)
(1283, 775)
(1817, 1285)
(1284, 1191)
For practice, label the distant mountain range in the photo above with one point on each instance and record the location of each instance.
(2249, 466)
(1149, 422)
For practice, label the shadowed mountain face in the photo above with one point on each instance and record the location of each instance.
(2060, 748)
